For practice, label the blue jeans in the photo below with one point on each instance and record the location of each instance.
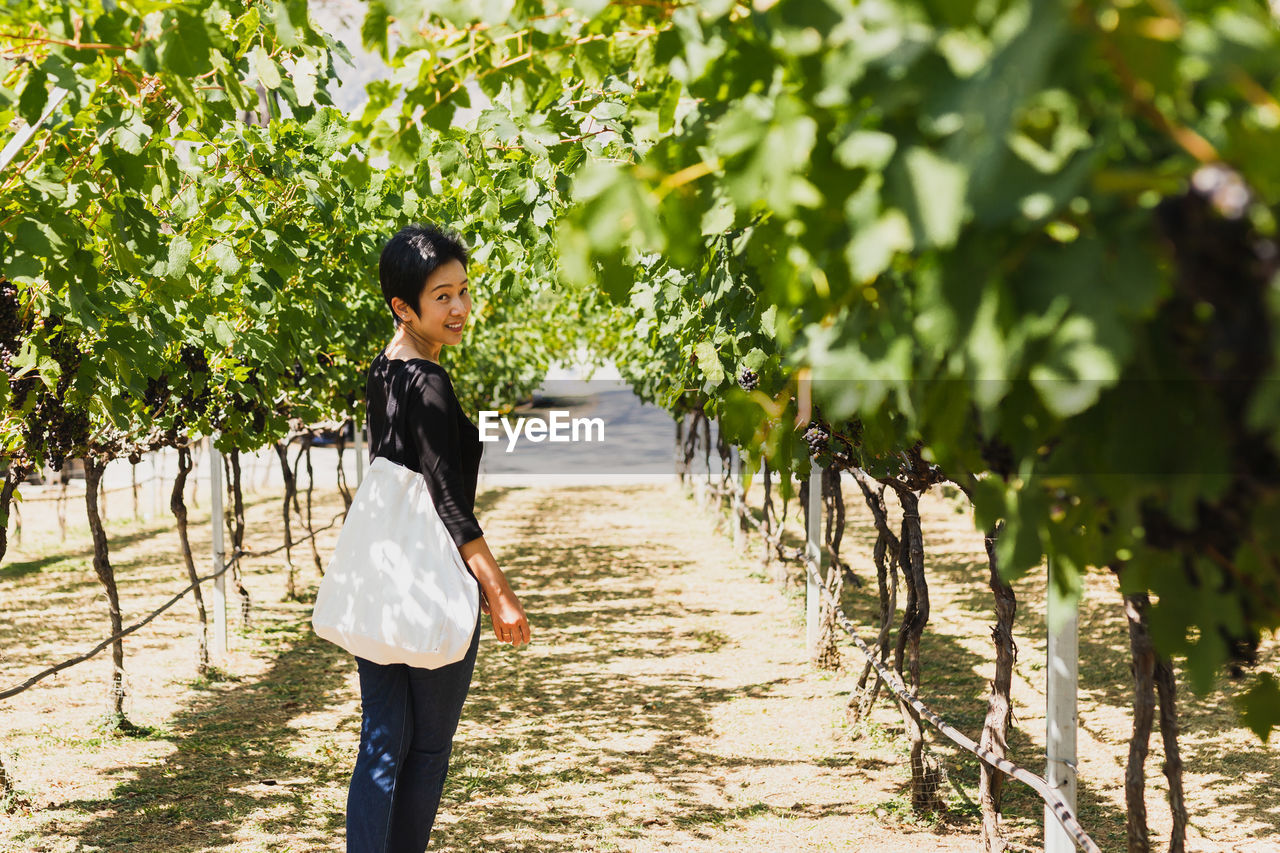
(409, 716)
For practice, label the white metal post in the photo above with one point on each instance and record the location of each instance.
(156, 460)
(356, 431)
(1060, 717)
(19, 139)
(735, 477)
(813, 554)
(219, 549)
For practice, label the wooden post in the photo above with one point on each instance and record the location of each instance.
(219, 549)
(813, 556)
(1060, 717)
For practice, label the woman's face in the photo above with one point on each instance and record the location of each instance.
(444, 303)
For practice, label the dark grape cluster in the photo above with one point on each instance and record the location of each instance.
(193, 359)
(13, 329)
(52, 429)
(817, 435)
(10, 321)
(833, 446)
(157, 394)
(916, 472)
(998, 456)
(1224, 262)
(65, 428)
(748, 379)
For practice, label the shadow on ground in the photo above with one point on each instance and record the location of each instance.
(231, 757)
(595, 608)
(238, 777)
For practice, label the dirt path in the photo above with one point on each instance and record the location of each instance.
(666, 703)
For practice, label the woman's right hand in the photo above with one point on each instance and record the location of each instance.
(509, 622)
(497, 599)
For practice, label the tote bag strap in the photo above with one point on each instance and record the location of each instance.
(398, 402)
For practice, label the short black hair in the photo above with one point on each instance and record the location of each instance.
(413, 254)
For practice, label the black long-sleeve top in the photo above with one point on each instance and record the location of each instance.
(415, 420)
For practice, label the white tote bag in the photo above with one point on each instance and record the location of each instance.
(396, 589)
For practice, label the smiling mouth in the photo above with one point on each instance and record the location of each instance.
(454, 327)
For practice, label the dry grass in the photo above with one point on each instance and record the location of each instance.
(664, 704)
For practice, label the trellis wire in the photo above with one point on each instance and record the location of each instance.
(1037, 783)
(1052, 799)
(35, 679)
(40, 676)
(48, 499)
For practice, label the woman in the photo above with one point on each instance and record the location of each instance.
(409, 714)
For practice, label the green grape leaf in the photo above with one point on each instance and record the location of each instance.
(375, 28)
(179, 256)
(264, 67)
(303, 75)
(184, 46)
(35, 94)
(931, 190)
(225, 257)
(709, 362)
(1260, 706)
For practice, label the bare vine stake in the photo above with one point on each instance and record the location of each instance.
(93, 470)
(219, 549)
(6, 786)
(178, 505)
(343, 487)
(13, 477)
(304, 447)
(15, 474)
(885, 553)
(235, 493)
(1061, 812)
(995, 729)
(311, 528)
(826, 652)
(706, 448)
(290, 483)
